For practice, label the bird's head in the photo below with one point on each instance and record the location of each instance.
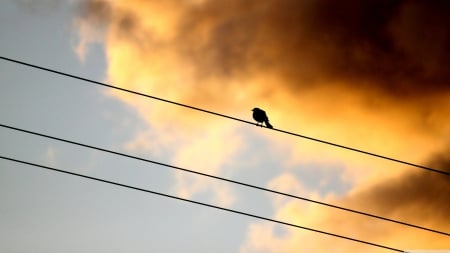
(255, 109)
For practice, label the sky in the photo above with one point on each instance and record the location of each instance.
(371, 75)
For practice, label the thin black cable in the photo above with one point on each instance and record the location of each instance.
(201, 203)
(224, 179)
(222, 115)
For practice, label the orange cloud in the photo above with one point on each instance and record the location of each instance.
(354, 73)
(419, 198)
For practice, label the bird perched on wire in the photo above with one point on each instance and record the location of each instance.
(260, 116)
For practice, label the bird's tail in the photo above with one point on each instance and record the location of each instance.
(268, 125)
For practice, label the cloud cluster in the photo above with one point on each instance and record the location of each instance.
(418, 197)
(398, 47)
(368, 74)
(374, 57)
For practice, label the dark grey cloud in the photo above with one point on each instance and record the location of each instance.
(401, 48)
(419, 196)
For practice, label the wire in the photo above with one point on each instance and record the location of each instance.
(224, 179)
(222, 115)
(201, 203)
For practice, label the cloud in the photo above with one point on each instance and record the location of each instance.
(209, 154)
(417, 197)
(285, 182)
(391, 46)
(225, 54)
(367, 74)
(90, 28)
(416, 194)
(50, 156)
(370, 44)
(87, 36)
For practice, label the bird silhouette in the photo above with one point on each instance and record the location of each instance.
(260, 116)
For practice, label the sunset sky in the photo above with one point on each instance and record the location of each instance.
(372, 75)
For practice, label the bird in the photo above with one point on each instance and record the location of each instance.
(260, 116)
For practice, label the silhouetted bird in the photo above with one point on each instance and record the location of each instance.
(260, 116)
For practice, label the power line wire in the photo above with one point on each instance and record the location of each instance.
(224, 179)
(222, 115)
(203, 204)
